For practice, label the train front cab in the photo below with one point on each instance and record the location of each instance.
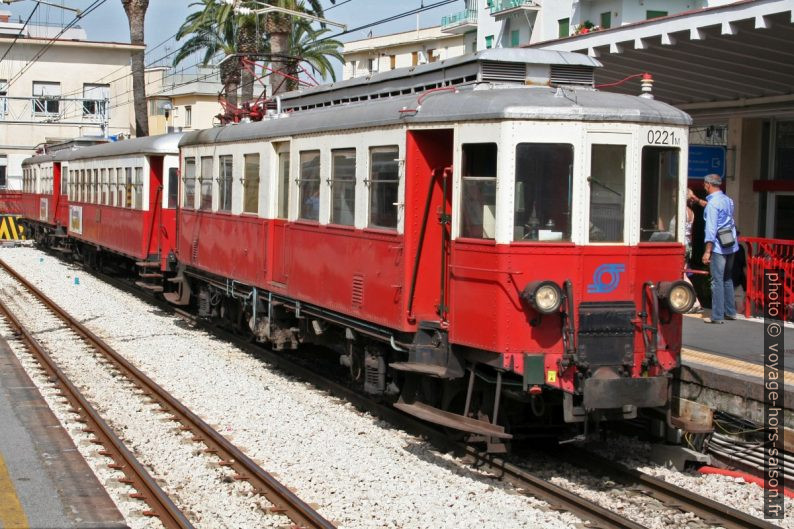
(565, 265)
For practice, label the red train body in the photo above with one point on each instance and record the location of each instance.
(485, 246)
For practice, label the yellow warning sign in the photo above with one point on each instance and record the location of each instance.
(10, 230)
(551, 377)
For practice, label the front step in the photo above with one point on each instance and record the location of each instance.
(176, 299)
(453, 420)
(148, 264)
(150, 276)
(148, 286)
(62, 250)
(424, 369)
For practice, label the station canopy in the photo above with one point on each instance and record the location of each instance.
(736, 59)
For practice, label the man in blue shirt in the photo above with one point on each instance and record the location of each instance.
(718, 215)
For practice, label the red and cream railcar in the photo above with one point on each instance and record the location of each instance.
(487, 232)
(116, 201)
(43, 204)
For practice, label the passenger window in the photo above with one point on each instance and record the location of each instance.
(542, 204)
(120, 185)
(283, 185)
(128, 187)
(139, 188)
(659, 206)
(309, 186)
(343, 186)
(251, 184)
(607, 192)
(81, 196)
(112, 187)
(206, 183)
(96, 186)
(103, 173)
(478, 200)
(190, 184)
(173, 187)
(226, 167)
(384, 183)
(64, 181)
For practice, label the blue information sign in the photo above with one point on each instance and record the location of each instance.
(706, 159)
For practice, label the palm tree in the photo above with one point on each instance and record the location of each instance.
(136, 13)
(278, 27)
(212, 38)
(305, 45)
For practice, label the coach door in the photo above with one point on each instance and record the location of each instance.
(428, 207)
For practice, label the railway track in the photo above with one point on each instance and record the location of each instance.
(282, 499)
(672, 496)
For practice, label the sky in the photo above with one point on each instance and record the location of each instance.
(163, 18)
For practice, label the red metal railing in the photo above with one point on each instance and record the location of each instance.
(768, 254)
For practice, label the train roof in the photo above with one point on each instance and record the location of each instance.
(475, 102)
(162, 144)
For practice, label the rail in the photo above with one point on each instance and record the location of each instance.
(768, 254)
(134, 473)
(284, 500)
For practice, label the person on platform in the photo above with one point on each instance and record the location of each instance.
(689, 221)
(721, 247)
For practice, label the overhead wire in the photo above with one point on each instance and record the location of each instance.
(51, 42)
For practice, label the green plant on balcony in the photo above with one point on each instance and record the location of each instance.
(585, 27)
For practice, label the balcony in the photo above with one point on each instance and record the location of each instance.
(503, 8)
(461, 22)
(42, 110)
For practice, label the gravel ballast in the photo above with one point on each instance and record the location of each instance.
(358, 470)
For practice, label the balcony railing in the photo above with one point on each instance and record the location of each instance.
(498, 6)
(44, 110)
(467, 17)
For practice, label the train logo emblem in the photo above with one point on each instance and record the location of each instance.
(606, 278)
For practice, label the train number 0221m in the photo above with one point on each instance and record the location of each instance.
(663, 137)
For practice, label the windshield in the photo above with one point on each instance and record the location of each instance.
(659, 194)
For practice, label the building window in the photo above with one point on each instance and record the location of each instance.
(343, 186)
(3, 174)
(283, 184)
(564, 27)
(432, 56)
(190, 183)
(188, 116)
(606, 20)
(206, 183)
(478, 218)
(414, 58)
(47, 97)
(384, 184)
(515, 38)
(654, 14)
(544, 181)
(392, 62)
(309, 186)
(607, 192)
(371, 65)
(95, 97)
(225, 169)
(3, 98)
(489, 42)
(251, 184)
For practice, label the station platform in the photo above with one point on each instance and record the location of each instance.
(723, 367)
(44, 480)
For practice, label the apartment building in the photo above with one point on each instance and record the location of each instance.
(182, 101)
(52, 90)
(410, 48)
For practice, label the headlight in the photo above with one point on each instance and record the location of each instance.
(543, 296)
(679, 295)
